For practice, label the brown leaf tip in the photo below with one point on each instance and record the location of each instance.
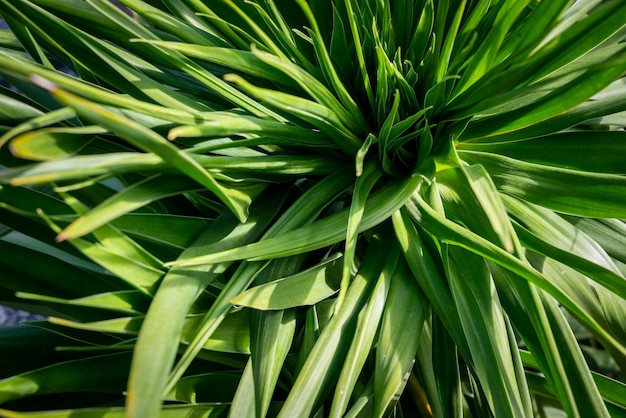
(44, 83)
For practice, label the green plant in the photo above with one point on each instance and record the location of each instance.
(292, 208)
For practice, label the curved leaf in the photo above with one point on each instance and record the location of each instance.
(306, 288)
(378, 208)
(150, 141)
(592, 195)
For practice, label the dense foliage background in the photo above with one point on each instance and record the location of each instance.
(313, 208)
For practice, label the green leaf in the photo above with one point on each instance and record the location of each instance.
(483, 321)
(565, 45)
(484, 57)
(165, 229)
(320, 116)
(329, 71)
(352, 120)
(271, 338)
(379, 207)
(115, 241)
(51, 276)
(470, 190)
(446, 373)
(232, 336)
(465, 156)
(580, 114)
(38, 122)
(244, 401)
(593, 195)
(305, 288)
(550, 235)
(356, 37)
(558, 101)
(150, 141)
(581, 151)
(200, 410)
(534, 29)
(426, 269)
(367, 327)
(206, 387)
(584, 256)
(129, 302)
(454, 234)
(116, 163)
(448, 44)
(301, 212)
(136, 30)
(107, 372)
(27, 69)
(224, 124)
(321, 366)
(609, 233)
(53, 143)
(159, 339)
(127, 200)
(176, 23)
(12, 110)
(402, 318)
(362, 188)
(546, 333)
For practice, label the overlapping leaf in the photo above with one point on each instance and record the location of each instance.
(435, 195)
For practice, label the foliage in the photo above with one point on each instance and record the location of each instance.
(292, 208)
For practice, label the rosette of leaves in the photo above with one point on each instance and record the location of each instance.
(313, 208)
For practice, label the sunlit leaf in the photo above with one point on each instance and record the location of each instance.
(349, 209)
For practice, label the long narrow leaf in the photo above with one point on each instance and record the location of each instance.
(149, 141)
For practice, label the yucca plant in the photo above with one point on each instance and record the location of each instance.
(358, 208)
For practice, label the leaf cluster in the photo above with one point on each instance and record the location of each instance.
(313, 208)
